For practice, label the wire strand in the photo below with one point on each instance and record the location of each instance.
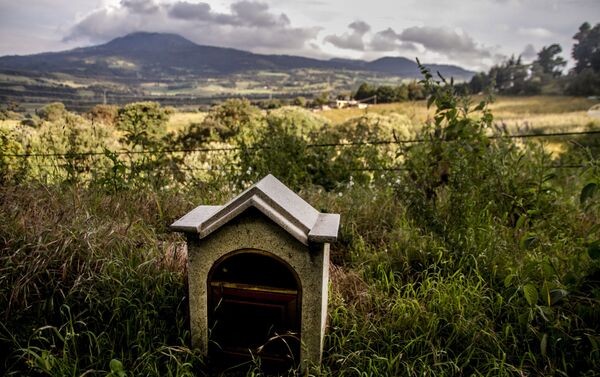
(317, 145)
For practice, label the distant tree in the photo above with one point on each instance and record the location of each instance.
(106, 114)
(52, 112)
(389, 93)
(549, 62)
(586, 51)
(270, 104)
(585, 83)
(479, 83)
(510, 77)
(321, 100)
(143, 123)
(231, 117)
(9, 109)
(386, 94)
(344, 96)
(364, 91)
(415, 91)
(584, 79)
(299, 101)
(519, 73)
(401, 92)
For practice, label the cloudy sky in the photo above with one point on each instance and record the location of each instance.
(471, 33)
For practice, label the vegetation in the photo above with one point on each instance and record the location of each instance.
(544, 74)
(464, 254)
(386, 93)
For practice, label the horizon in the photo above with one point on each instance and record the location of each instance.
(471, 34)
(238, 49)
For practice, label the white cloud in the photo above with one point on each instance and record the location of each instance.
(535, 32)
(248, 24)
(352, 40)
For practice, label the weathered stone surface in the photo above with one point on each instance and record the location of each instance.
(275, 201)
(192, 220)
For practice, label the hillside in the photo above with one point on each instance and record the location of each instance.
(153, 56)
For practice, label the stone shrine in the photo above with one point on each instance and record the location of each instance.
(258, 271)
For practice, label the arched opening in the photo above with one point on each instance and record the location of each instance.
(254, 310)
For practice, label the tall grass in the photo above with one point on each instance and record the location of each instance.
(88, 278)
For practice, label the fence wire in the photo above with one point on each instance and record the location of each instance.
(318, 145)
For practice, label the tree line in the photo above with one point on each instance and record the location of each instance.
(545, 74)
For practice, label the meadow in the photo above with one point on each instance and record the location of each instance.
(462, 251)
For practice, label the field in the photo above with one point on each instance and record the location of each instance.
(544, 113)
(80, 94)
(465, 252)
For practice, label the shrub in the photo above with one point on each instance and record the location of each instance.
(106, 114)
(52, 112)
(143, 124)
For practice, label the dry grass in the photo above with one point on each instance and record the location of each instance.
(552, 113)
(9, 123)
(180, 120)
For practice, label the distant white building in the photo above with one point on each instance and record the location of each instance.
(342, 104)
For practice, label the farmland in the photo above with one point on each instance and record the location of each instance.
(462, 251)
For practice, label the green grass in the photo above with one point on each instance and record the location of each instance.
(90, 277)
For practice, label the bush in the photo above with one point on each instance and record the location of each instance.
(106, 114)
(52, 112)
(11, 168)
(143, 124)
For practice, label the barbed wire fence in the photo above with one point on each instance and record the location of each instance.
(67, 160)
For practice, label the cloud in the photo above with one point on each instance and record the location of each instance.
(385, 40)
(352, 40)
(444, 40)
(190, 11)
(535, 32)
(250, 13)
(432, 43)
(140, 6)
(360, 27)
(249, 25)
(389, 40)
(529, 53)
(243, 13)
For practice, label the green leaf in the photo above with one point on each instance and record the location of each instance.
(549, 177)
(531, 294)
(557, 294)
(587, 192)
(594, 250)
(544, 344)
(527, 240)
(430, 101)
(480, 106)
(508, 280)
(546, 294)
(116, 369)
(522, 219)
(548, 269)
(546, 313)
(116, 366)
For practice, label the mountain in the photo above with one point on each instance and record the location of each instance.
(150, 57)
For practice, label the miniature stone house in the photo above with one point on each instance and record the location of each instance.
(258, 276)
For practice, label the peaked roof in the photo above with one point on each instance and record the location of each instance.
(274, 200)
